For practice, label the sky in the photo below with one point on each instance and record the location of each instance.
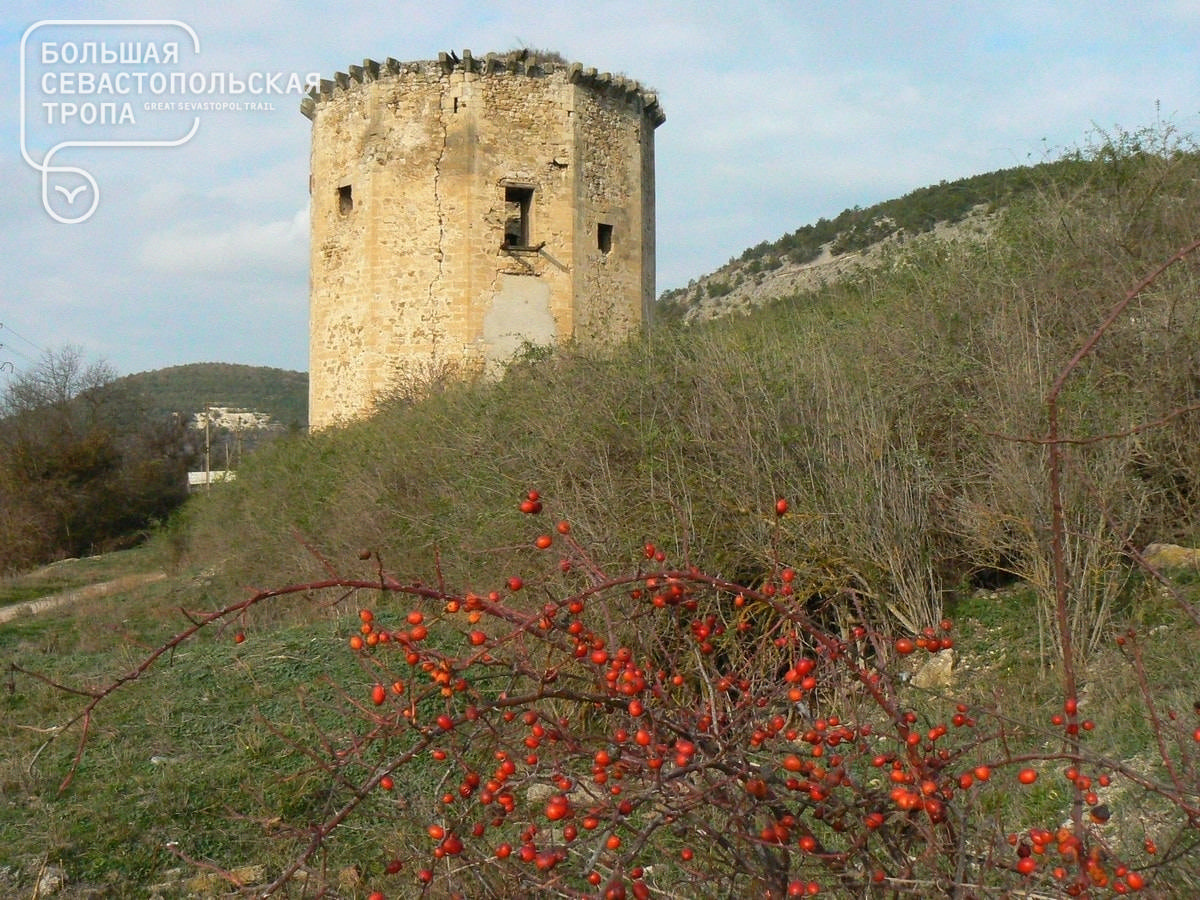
(778, 113)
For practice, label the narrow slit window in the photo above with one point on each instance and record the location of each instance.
(604, 237)
(345, 199)
(518, 201)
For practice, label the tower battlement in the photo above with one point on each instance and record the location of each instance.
(466, 207)
(517, 63)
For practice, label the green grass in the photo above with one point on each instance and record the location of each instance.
(73, 573)
(186, 753)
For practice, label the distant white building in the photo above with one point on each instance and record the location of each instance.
(197, 480)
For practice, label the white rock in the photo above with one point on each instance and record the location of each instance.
(937, 671)
(51, 881)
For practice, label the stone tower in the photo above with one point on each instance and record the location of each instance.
(465, 207)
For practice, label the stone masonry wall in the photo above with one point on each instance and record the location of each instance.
(418, 172)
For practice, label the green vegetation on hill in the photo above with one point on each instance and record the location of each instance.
(915, 213)
(82, 470)
(897, 408)
(189, 388)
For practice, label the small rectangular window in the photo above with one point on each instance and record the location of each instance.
(518, 202)
(345, 199)
(604, 237)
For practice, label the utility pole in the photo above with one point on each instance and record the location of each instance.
(207, 448)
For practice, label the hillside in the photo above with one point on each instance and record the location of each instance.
(824, 251)
(802, 260)
(878, 399)
(190, 388)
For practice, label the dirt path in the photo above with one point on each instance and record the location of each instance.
(78, 595)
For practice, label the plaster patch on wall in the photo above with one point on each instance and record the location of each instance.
(518, 314)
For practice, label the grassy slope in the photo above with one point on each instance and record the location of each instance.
(175, 758)
(884, 406)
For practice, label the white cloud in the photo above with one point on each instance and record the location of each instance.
(247, 249)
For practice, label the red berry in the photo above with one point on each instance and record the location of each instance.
(781, 507)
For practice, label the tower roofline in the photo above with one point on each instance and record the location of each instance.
(518, 63)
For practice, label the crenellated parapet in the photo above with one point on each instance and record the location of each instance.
(520, 64)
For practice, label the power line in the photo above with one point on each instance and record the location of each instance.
(20, 336)
(11, 349)
(7, 366)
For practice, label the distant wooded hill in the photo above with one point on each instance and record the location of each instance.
(189, 389)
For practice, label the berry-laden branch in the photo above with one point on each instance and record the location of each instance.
(666, 732)
(1056, 447)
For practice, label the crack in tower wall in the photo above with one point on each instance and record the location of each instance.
(439, 252)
